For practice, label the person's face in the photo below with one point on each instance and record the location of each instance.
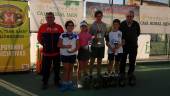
(50, 19)
(99, 17)
(129, 17)
(116, 26)
(83, 28)
(70, 27)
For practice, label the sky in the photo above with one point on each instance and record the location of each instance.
(163, 1)
(107, 1)
(121, 1)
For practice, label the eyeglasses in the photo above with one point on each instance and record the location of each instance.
(70, 25)
(99, 16)
(50, 16)
(129, 16)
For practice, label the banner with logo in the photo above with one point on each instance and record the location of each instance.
(14, 36)
(110, 12)
(154, 19)
(63, 10)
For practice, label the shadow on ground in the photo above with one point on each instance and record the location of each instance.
(152, 80)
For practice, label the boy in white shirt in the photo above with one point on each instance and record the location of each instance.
(114, 42)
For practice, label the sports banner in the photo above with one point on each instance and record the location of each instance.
(110, 12)
(154, 19)
(63, 10)
(14, 36)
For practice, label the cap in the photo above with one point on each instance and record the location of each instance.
(83, 23)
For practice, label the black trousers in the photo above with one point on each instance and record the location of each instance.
(132, 52)
(47, 61)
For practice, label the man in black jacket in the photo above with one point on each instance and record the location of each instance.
(130, 32)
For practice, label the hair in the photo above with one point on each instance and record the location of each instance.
(49, 13)
(116, 21)
(67, 23)
(98, 12)
(131, 11)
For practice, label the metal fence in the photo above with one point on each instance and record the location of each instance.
(158, 48)
(160, 44)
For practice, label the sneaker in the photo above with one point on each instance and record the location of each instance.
(122, 81)
(86, 82)
(44, 86)
(57, 84)
(63, 87)
(79, 86)
(116, 75)
(132, 80)
(71, 86)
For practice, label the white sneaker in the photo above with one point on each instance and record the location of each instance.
(79, 85)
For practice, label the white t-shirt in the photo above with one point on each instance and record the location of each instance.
(115, 37)
(68, 40)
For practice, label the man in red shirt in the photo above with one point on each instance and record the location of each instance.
(48, 36)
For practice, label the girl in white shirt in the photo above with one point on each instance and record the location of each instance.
(69, 44)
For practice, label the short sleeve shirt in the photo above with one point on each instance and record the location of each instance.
(98, 28)
(84, 38)
(115, 37)
(68, 39)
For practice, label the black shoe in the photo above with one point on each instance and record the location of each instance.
(132, 80)
(58, 84)
(122, 81)
(44, 87)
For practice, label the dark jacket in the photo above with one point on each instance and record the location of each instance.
(130, 34)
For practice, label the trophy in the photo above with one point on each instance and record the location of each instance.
(70, 37)
(69, 43)
(86, 47)
(116, 46)
(90, 43)
(98, 37)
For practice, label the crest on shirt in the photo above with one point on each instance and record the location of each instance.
(69, 36)
(112, 41)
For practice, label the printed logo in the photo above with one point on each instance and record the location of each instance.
(11, 16)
